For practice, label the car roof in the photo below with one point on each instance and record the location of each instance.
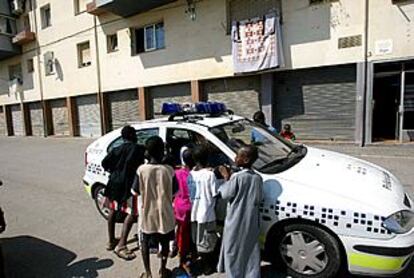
(202, 120)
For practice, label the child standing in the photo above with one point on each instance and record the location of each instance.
(203, 185)
(182, 209)
(240, 251)
(287, 133)
(154, 183)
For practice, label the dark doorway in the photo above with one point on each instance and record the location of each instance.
(387, 91)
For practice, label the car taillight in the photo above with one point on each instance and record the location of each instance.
(86, 159)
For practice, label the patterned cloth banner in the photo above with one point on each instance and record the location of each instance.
(257, 44)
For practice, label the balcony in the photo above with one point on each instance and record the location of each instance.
(24, 37)
(7, 31)
(92, 8)
(125, 8)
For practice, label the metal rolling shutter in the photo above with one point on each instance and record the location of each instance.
(2, 122)
(60, 117)
(123, 108)
(318, 103)
(179, 93)
(89, 124)
(240, 94)
(36, 118)
(17, 120)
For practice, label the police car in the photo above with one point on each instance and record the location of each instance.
(322, 210)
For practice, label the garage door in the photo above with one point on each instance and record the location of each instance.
(17, 120)
(36, 118)
(240, 94)
(59, 117)
(179, 93)
(2, 122)
(89, 124)
(122, 108)
(318, 103)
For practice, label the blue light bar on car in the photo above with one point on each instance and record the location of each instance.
(170, 108)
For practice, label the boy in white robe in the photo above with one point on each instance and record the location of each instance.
(240, 251)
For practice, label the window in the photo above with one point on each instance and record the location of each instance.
(149, 38)
(142, 136)
(7, 25)
(30, 66)
(80, 6)
(15, 72)
(84, 55)
(45, 14)
(273, 151)
(112, 43)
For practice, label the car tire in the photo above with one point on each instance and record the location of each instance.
(99, 198)
(293, 246)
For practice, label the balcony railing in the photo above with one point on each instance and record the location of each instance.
(24, 37)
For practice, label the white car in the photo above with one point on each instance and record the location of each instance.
(322, 211)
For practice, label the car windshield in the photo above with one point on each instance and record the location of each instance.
(271, 147)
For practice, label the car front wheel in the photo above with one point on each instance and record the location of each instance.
(307, 251)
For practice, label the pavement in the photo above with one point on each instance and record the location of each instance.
(54, 229)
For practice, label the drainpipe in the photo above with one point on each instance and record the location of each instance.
(39, 71)
(98, 77)
(365, 92)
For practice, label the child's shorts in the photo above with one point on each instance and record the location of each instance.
(130, 206)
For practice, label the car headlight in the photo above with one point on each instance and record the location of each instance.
(400, 222)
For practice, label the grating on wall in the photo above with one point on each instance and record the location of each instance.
(351, 41)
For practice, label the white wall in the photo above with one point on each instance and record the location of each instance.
(199, 49)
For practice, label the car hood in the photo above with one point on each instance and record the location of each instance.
(349, 178)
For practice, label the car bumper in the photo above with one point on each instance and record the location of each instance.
(88, 187)
(376, 257)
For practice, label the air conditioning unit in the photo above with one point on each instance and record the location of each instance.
(17, 6)
(49, 61)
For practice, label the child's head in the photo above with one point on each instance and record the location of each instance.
(200, 155)
(155, 148)
(259, 117)
(129, 133)
(287, 128)
(187, 158)
(246, 156)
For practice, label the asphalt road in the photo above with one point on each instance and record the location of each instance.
(54, 229)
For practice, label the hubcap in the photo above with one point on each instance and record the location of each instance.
(303, 253)
(100, 200)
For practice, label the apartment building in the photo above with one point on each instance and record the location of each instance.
(83, 68)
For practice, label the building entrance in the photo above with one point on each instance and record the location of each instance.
(393, 101)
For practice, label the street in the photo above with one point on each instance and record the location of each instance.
(54, 229)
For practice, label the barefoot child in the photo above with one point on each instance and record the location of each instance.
(240, 251)
(182, 209)
(154, 183)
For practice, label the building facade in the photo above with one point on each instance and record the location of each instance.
(82, 69)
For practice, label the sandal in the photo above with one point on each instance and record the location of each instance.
(110, 246)
(124, 253)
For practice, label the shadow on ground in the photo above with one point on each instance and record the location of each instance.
(30, 257)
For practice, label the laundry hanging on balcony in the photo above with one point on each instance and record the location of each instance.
(256, 44)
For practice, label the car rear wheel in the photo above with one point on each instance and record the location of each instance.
(306, 251)
(100, 201)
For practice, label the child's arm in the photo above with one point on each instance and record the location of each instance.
(229, 189)
(135, 186)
